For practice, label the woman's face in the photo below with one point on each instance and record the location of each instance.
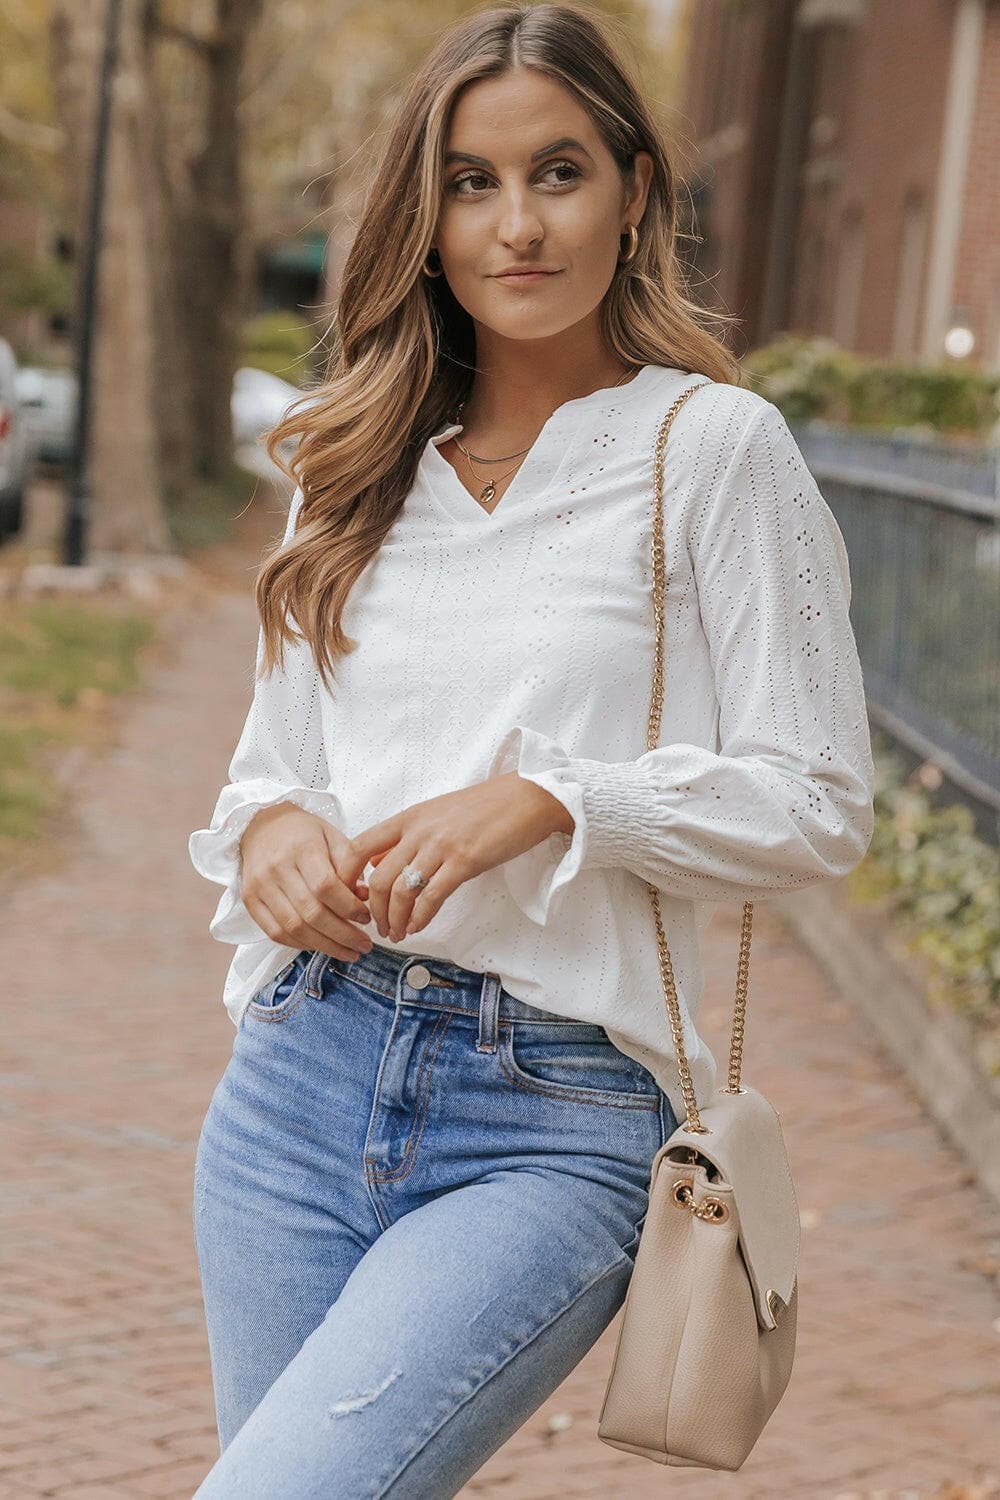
(528, 181)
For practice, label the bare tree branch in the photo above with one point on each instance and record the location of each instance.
(207, 46)
(279, 81)
(29, 132)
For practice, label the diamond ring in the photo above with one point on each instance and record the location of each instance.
(412, 878)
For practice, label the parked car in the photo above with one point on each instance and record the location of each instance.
(16, 454)
(44, 412)
(260, 400)
(48, 401)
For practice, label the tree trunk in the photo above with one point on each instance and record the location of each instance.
(123, 469)
(175, 408)
(218, 261)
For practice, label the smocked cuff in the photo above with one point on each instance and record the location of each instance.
(618, 798)
(535, 878)
(215, 851)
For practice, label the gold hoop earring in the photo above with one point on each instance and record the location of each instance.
(427, 269)
(633, 249)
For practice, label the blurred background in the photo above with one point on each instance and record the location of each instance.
(179, 186)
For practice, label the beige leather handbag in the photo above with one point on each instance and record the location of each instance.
(707, 1336)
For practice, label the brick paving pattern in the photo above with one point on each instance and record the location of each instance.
(115, 1037)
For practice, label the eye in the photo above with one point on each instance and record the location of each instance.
(456, 182)
(558, 166)
(474, 176)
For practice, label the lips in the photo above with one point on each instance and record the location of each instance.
(528, 275)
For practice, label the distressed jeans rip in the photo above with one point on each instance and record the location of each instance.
(355, 1403)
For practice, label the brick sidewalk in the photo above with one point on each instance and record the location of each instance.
(110, 1057)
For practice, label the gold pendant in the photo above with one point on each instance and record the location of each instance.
(488, 493)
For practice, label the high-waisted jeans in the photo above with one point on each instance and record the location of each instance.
(417, 1202)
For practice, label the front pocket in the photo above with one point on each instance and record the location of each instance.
(575, 1061)
(280, 993)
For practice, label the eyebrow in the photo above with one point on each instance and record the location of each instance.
(565, 143)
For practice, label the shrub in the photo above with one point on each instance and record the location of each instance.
(280, 342)
(932, 871)
(815, 378)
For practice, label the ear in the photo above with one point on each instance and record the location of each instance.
(642, 171)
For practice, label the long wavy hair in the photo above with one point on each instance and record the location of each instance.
(403, 349)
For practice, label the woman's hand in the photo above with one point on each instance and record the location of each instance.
(449, 839)
(293, 882)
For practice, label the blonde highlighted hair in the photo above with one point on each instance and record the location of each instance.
(403, 352)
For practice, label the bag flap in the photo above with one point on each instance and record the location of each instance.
(747, 1148)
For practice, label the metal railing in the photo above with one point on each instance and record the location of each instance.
(921, 522)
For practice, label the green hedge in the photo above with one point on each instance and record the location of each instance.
(931, 870)
(817, 378)
(32, 282)
(280, 342)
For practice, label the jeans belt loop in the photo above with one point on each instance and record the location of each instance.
(489, 1011)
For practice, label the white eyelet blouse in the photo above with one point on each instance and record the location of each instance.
(522, 639)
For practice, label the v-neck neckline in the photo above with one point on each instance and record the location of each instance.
(546, 459)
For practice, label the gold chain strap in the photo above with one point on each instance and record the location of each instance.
(694, 1124)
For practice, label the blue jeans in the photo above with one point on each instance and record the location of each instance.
(417, 1202)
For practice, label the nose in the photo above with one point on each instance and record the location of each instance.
(519, 225)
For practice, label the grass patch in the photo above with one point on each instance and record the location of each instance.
(62, 663)
(26, 794)
(205, 515)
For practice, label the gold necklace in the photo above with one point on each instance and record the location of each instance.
(489, 490)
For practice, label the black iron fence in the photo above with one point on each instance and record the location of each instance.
(922, 526)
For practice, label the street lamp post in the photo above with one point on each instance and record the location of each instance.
(77, 496)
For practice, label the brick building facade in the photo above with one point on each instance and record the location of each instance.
(846, 170)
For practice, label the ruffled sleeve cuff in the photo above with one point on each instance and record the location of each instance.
(535, 878)
(215, 851)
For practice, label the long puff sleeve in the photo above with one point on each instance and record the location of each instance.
(280, 757)
(787, 799)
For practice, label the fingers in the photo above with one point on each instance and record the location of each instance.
(427, 902)
(283, 924)
(396, 908)
(348, 860)
(315, 868)
(382, 889)
(294, 893)
(311, 908)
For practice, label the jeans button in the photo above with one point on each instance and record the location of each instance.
(418, 976)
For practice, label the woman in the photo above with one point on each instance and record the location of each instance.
(421, 1180)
